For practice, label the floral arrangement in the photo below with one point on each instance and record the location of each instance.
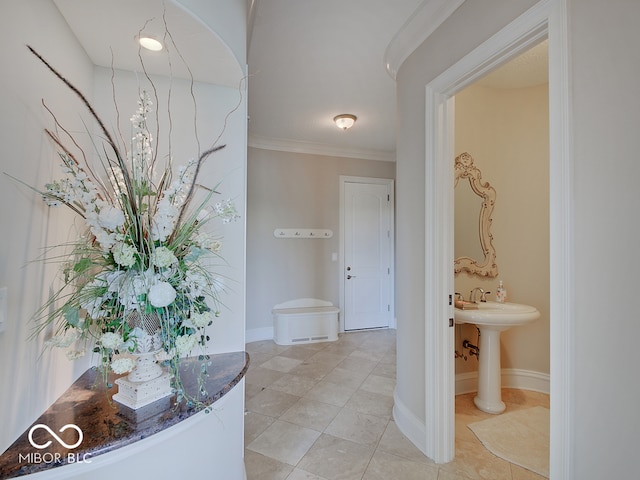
(145, 256)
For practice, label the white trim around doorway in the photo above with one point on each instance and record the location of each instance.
(546, 19)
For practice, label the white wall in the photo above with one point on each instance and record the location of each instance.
(292, 190)
(605, 117)
(227, 19)
(606, 122)
(30, 383)
(507, 133)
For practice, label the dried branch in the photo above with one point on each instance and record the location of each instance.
(189, 196)
(49, 195)
(58, 142)
(114, 146)
(191, 78)
(155, 93)
(115, 102)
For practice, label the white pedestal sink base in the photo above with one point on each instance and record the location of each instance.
(489, 398)
(489, 407)
(492, 318)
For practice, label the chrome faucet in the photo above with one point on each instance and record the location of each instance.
(472, 295)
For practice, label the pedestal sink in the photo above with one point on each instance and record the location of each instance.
(492, 318)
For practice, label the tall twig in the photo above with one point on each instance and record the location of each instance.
(191, 78)
(58, 142)
(153, 87)
(115, 103)
(187, 200)
(107, 134)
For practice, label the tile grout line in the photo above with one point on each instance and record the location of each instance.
(364, 346)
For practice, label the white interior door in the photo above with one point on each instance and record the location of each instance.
(368, 253)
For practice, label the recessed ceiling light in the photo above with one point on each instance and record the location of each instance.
(150, 44)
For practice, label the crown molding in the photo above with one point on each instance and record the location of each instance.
(296, 146)
(420, 25)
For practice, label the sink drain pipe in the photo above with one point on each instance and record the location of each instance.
(473, 349)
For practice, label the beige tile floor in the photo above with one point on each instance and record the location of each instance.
(323, 412)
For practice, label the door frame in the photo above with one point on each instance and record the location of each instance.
(548, 18)
(389, 182)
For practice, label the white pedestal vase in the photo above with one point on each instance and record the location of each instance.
(148, 381)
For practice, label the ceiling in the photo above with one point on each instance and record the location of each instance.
(312, 60)
(308, 61)
(527, 70)
(108, 32)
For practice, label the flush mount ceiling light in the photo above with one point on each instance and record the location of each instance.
(150, 44)
(345, 121)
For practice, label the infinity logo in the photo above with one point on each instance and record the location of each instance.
(60, 441)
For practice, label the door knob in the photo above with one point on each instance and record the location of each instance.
(349, 277)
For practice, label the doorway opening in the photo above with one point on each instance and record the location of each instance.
(546, 19)
(502, 133)
(502, 121)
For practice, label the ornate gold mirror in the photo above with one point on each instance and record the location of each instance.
(474, 201)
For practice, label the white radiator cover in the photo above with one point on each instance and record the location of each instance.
(305, 320)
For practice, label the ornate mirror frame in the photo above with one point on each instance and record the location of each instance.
(464, 168)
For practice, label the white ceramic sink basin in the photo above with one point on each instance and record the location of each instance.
(492, 318)
(498, 315)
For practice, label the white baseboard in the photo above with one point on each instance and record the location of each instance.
(266, 333)
(411, 426)
(415, 429)
(258, 334)
(510, 377)
(466, 382)
(526, 380)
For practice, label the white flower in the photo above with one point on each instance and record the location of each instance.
(92, 302)
(131, 285)
(114, 280)
(105, 239)
(122, 365)
(164, 219)
(204, 240)
(63, 341)
(110, 218)
(74, 354)
(185, 343)
(200, 320)
(124, 254)
(111, 340)
(162, 257)
(215, 247)
(226, 210)
(161, 295)
(194, 284)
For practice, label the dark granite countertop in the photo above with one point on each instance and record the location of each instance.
(107, 425)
